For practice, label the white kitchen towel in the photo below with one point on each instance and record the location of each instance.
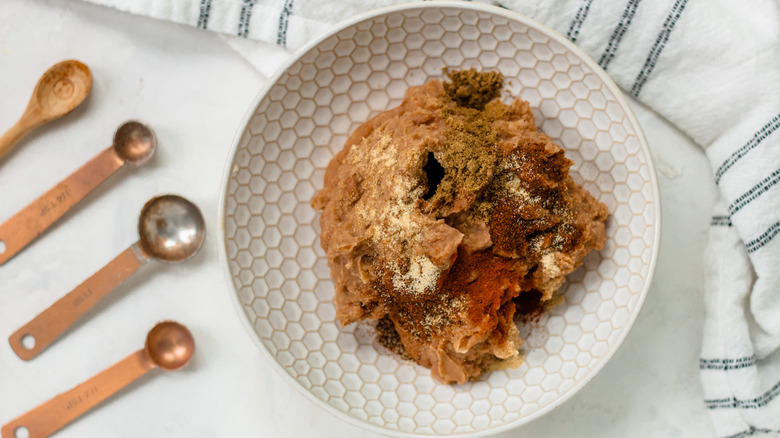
(711, 67)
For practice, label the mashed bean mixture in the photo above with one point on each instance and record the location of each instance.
(438, 214)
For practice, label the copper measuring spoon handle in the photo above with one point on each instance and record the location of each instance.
(30, 222)
(52, 322)
(134, 143)
(64, 408)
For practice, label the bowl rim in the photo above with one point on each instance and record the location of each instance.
(478, 7)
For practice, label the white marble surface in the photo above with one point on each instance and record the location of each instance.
(193, 90)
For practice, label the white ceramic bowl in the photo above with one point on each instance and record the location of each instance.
(269, 233)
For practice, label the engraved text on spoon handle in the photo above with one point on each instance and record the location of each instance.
(31, 221)
(52, 322)
(64, 408)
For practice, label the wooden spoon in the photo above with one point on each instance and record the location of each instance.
(61, 89)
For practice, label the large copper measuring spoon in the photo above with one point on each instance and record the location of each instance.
(61, 89)
(171, 229)
(169, 345)
(134, 143)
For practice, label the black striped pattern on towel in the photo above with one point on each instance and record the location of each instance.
(203, 17)
(579, 18)
(752, 431)
(753, 403)
(245, 17)
(284, 19)
(617, 34)
(754, 192)
(720, 221)
(759, 242)
(727, 364)
(754, 141)
(658, 47)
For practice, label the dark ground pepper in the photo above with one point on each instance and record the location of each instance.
(389, 338)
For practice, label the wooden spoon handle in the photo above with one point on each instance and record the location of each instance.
(64, 408)
(52, 322)
(13, 135)
(30, 222)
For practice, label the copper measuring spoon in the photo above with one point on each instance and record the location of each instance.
(134, 143)
(171, 229)
(61, 89)
(169, 345)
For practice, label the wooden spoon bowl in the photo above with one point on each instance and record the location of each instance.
(61, 89)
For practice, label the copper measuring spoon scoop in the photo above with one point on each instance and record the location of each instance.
(134, 143)
(169, 345)
(171, 229)
(61, 89)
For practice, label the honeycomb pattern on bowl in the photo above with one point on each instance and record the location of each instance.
(280, 274)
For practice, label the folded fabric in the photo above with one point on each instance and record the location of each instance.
(712, 68)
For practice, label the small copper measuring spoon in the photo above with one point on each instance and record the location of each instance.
(169, 345)
(61, 89)
(170, 228)
(134, 143)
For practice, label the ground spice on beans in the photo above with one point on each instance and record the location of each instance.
(472, 89)
(487, 279)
